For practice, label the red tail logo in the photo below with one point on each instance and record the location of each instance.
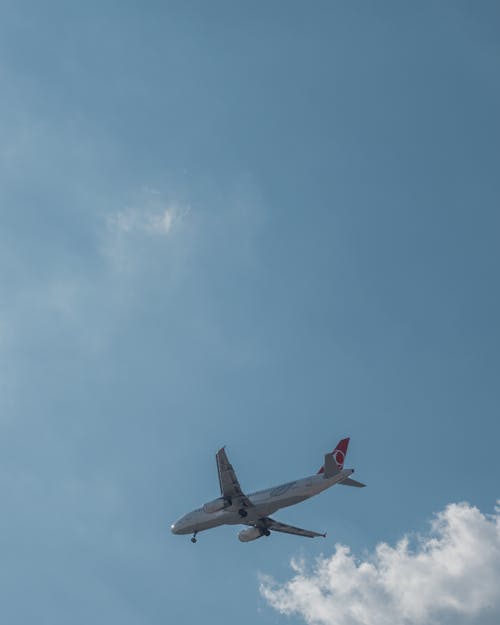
(339, 453)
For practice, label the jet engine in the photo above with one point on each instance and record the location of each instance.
(215, 506)
(252, 533)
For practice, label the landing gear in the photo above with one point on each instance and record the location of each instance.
(266, 532)
(242, 512)
(193, 539)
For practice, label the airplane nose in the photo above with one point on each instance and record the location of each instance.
(173, 528)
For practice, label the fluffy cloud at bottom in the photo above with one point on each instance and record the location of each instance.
(449, 575)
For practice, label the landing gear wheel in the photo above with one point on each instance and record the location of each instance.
(193, 540)
(266, 533)
(242, 512)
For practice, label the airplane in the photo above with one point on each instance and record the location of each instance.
(233, 507)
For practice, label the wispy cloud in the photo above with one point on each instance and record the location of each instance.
(154, 223)
(452, 574)
(153, 217)
(130, 231)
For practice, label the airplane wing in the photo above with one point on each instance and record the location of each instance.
(229, 486)
(270, 524)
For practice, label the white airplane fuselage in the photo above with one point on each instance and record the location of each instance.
(264, 503)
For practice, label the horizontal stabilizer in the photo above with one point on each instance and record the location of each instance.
(339, 454)
(349, 482)
(330, 468)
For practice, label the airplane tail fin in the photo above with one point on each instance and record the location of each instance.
(338, 454)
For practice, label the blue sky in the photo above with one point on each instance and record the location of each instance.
(266, 225)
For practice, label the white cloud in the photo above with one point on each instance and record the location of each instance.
(127, 241)
(152, 221)
(452, 575)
